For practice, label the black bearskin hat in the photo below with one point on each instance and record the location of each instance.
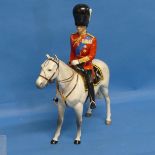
(81, 13)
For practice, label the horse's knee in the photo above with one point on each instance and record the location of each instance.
(79, 122)
(107, 98)
(60, 119)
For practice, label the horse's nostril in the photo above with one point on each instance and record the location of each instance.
(41, 84)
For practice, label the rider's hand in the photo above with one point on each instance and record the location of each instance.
(75, 62)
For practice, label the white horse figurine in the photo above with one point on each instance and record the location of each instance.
(71, 91)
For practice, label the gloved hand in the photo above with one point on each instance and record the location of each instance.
(75, 62)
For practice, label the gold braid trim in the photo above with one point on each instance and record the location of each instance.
(90, 35)
(77, 40)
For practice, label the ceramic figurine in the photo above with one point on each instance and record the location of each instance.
(71, 89)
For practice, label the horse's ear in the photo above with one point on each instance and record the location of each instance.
(48, 56)
(55, 58)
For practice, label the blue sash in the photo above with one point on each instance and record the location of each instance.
(80, 47)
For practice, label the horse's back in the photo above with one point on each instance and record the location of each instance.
(105, 71)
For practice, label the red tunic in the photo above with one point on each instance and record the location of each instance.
(83, 48)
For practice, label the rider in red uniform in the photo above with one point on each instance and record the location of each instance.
(83, 47)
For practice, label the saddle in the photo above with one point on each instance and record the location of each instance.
(98, 76)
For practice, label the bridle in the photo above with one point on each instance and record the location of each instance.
(49, 79)
(59, 81)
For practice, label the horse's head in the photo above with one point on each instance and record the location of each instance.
(49, 71)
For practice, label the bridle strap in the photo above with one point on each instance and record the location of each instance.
(44, 77)
(48, 80)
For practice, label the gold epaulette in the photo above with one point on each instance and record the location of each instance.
(90, 35)
(74, 33)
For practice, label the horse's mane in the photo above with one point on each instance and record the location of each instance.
(67, 65)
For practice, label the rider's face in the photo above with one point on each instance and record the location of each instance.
(81, 29)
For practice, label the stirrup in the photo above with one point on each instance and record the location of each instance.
(92, 105)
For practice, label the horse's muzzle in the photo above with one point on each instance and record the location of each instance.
(40, 84)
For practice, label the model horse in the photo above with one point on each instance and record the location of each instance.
(71, 91)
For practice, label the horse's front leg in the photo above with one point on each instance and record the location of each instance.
(78, 110)
(61, 110)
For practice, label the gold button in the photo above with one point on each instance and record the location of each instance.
(84, 51)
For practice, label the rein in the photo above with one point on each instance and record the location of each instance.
(66, 80)
(61, 81)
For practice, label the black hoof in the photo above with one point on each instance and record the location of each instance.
(92, 106)
(77, 142)
(88, 115)
(54, 141)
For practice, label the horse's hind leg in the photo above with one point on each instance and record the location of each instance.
(78, 110)
(61, 110)
(108, 109)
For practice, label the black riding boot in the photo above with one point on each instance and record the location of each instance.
(91, 93)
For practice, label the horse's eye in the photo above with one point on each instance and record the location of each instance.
(49, 70)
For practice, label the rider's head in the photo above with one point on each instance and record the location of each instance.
(82, 14)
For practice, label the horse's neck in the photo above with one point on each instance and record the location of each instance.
(64, 71)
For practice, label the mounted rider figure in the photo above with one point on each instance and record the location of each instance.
(83, 47)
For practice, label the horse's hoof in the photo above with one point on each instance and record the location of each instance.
(77, 142)
(108, 122)
(54, 141)
(92, 106)
(88, 115)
